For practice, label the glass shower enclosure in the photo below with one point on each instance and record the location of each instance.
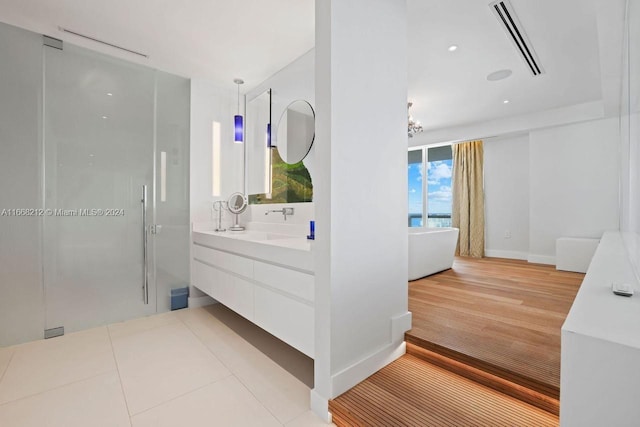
(112, 210)
(116, 221)
(116, 169)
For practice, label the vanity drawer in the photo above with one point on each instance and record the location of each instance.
(235, 293)
(291, 321)
(232, 291)
(286, 280)
(203, 276)
(227, 261)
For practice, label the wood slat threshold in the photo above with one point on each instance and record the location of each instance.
(414, 391)
(518, 391)
(552, 392)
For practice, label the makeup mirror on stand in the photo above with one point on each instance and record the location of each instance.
(237, 204)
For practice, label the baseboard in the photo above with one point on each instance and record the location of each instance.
(354, 374)
(534, 259)
(399, 325)
(201, 301)
(542, 259)
(320, 406)
(497, 253)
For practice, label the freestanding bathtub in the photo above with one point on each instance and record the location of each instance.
(431, 250)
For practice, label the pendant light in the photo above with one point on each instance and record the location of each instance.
(414, 126)
(238, 122)
(269, 141)
(269, 145)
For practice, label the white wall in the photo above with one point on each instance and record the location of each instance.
(574, 178)
(602, 327)
(630, 136)
(210, 103)
(361, 236)
(294, 82)
(556, 182)
(506, 186)
(593, 110)
(630, 215)
(303, 213)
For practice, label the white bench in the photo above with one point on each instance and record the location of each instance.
(574, 254)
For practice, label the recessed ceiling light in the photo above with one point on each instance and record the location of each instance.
(453, 48)
(90, 155)
(506, 101)
(109, 94)
(499, 75)
(105, 117)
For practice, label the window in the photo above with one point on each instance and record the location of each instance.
(438, 163)
(416, 191)
(439, 166)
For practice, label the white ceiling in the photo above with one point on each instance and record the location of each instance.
(450, 88)
(214, 39)
(252, 39)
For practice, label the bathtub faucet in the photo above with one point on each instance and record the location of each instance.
(283, 211)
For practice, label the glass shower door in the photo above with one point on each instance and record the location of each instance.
(171, 241)
(98, 156)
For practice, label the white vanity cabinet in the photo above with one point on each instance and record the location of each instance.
(276, 297)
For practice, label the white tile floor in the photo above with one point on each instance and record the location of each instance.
(184, 368)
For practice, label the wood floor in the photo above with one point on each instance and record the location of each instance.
(411, 392)
(501, 316)
(483, 332)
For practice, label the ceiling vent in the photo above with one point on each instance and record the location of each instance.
(84, 36)
(503, 10)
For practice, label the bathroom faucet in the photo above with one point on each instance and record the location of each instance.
(283, 211)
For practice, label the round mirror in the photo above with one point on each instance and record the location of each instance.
(237, 203)
(296, 131)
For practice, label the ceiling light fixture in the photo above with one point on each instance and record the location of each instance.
(453, 48)
(499, 75)
(237, 119)
(506, 101)
(414, 126)
(109, 94)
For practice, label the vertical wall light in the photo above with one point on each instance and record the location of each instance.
(216, 173)
(239, 127)
(269, 136)
(163, 176)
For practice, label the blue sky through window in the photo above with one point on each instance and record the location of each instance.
(415, 188)
(439, 187)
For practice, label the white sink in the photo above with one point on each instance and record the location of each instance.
(257, 235)
(292, 250)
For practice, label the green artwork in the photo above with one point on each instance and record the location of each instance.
(290, 183)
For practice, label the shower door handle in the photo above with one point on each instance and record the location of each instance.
(145, 251)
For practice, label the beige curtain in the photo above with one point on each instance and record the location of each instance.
(468, 198)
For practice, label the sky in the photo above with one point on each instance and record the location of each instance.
(439, 187)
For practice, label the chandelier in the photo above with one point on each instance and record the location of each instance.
(414, 126)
